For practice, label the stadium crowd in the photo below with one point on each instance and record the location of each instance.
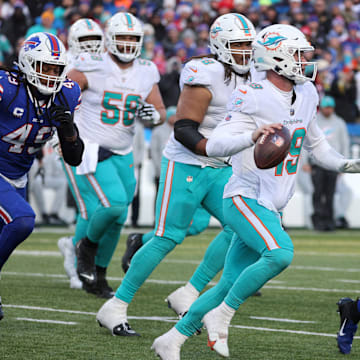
(176, 30)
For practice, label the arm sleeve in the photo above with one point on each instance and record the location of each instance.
(72, 151)
(231, 136)
(320, 150)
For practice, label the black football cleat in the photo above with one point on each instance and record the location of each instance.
(124, 330)
(349, 318)
(85, 253)
(1, 310)
(133, 244)
(101, 289)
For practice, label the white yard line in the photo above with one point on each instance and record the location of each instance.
(298, 288)
(348, 281)
(48, 321)
(282, 320)
(160, 318)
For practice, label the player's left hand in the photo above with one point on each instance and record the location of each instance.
(60, 115)
(351, 166)
(147, 112)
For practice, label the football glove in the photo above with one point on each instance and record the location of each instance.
(148, 113)
(61, 117)
(351, 166)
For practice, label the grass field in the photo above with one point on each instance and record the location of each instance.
(295, 318)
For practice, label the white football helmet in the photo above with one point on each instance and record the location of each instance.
(275, 48)
(39, 49)
(227, 29)
(83, 28)
(124, 24)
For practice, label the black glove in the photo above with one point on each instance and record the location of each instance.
(62, 118)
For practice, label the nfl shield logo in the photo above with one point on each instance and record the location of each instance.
(292, 112)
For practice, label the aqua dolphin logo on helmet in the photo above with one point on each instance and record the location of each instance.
(272, 41)
(214, 32)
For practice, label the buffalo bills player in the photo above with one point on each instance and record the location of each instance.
(36, 100)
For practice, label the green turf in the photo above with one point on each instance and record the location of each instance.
(39, 281)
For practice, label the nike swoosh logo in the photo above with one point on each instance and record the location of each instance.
(243, 91)
(341, 332)
(86, 276)
(194, 70)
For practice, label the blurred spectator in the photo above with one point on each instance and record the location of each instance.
(343, 89)
(159, 28)
(15, 54)
(324, 181)
(170, 40)
(17, 24)
(5, 49)
(323, 16)
(188, 40)
(184, 12)
(169, 82)
(7, 9)
(348, 12)
(47, 19)
(353, 39)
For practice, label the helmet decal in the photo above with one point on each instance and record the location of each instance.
(130, 24)
(89, 25)
(244, 24)
(31, 43)
(272, 40)
(55, 47)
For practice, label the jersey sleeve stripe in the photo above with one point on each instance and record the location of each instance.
(165, 199)
(255, 222)
(5, 216)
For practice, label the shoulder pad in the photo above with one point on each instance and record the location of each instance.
(201, 72)
(243, 99)
(88, 62)
(151, 70)
(8, 84)
(71, 91)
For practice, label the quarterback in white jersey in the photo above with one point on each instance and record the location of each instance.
(117, 88)
(188, 179)
(254, 198)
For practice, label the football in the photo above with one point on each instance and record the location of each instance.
(271, 149)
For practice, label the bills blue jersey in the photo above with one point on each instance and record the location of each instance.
(25, 124)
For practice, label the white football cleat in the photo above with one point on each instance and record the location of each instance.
(67, 249)
(180, 300)
(217, 327)
(166, 349)
(112, 315)
(75, 282)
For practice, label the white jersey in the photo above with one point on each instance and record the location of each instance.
(209, 73)
(110, 102)
(262, 103)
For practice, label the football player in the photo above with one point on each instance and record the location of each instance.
(254, 198)
(36, 100)
(349, 311)
(85, 37)
(188, 178)
(120, 87)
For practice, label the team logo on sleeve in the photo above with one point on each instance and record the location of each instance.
(31, 43)
(190, 79)
(238, 102)
(272, 41)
